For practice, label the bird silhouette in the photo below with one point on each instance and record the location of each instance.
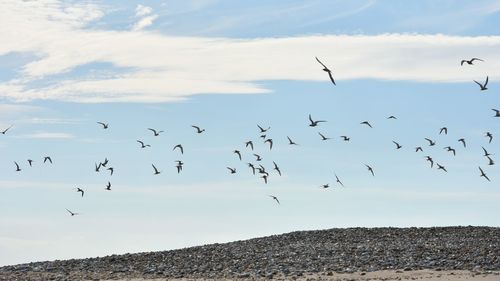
(98, 167)
(483, 86)
(30, 162)
(428, 158)
(179, 146)
(142, 144)
(111, 170)
(470, 61)
(431, 142)
(370, 169)
(444, 129)
(314, 123)
(490, 161)
(72, 214)
(258, 157)
(179, 165)
(108, 186)
(398, 146)
(5, 131)
(338, 180)
(463, 142)
(486, 153)
(325, 69)
(345, 138)
(366, 123)
(106, 161)
(497, 112)
(252, 167)
(47, 158)
(262, 130)
(290, 142)
(448, 148)
(418, 148)
(275, 198)
(17, 167)
(155, 132)
(440, 167)
(392, 117)
(263, 136)
(265, 178)
(238, 153)
(231, 170)
(270, 141)
(277, 168)
(249, 143)
(198, 129)
(323, 137)
(104, 125)
(156, 172)
(325, 185)
(489, 135)
(80, 190)
(483, 174)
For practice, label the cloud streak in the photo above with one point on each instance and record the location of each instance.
(163, 68)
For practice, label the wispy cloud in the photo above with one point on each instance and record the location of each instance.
(47, 135)
(168, 68)
(146, 17)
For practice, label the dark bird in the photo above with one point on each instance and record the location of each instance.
(345, 138)
(270, 141)
(155, 132)
(366, 123)
(428, 158)
(418, 148)
(497, 112)
(325, 69)
(265, 178)
(483, 174)
(179, 165)
(275, 198)
(262, 130)
(111, 169)
(448, 148)
(72, 214)
(104, 125)
(263, 136)
(392, 117)
(277, 168)
(314, 123)
(463, 142)
(232, 170)
(30, 162)
(156, 172)
(106, 161)
(262, 170)
(252, 167)
(80, 190)
(441, 167)
(258, 157)
(97, 167)
(431, 142)
(325, 185)
(398, 146)
(180, 147)
(238, 153)
(142, 144)
(490, 161)
(290, 142)
(198, 129)
(338, 180)
(489, 135)
(483, 86)
(370, 169)
(17, 167)
(47, 158)
(323, 137)
(470, 61)
(249, 143)
(108, 186)
(444, 129)
(5, 131)
(486, 153)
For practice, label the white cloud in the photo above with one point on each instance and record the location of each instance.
(144, 12)
(141, 10)
(47, 135)
(169, 68)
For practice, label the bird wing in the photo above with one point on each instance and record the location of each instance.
(156, 170)
(473, 59)
(152, 130)
(486, 83)
(481, 85)
(310, 119)
(261, 129)
(462, 62)
(321, 63)
(331, 78)
(196, 127)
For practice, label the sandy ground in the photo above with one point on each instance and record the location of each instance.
(428, 275)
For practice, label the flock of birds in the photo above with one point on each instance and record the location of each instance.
(261, 171)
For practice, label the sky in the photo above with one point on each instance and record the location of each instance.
(228, 66)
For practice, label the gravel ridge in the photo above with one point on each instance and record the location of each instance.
(291, 254)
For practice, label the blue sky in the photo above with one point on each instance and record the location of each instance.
(228, 66)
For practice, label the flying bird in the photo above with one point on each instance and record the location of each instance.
(156, 172)
(105, 162)
(72, 214)
(277, 168)
(338, 180)
(428, 158)
(489, 135)
(5, 131)
(418, 148)
(180, 147)
(98, 167)
(142, 144)
(155, 132)
(290, 142)
(431, 142)
(104, 125)
(47, 158)
(392, 117)
(444, 129)
(441, 167)
(470, 61)
(258, 157)
(232, 170)
(17, 167)
(323, 137)
(263, 136)
(275, 198)
(345, 138)
(270, 141)
(198, 129)
(366, 123)
(448, 148)
(30, 162)
(463, 142)
(252, 167)
(111, 169)
(249, 143)
(486, 153)
(262, 130)
(314, 123)
(497, 112)
(483, 86)
(483, 174)
(490, 161)
(398, 146)
(325, 69)
(238, 153)
(265, 178)
(325, 185)
(370, 169)
(80, 190)
(108, 186)
(179, 165)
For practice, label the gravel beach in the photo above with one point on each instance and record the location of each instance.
(334, 254)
